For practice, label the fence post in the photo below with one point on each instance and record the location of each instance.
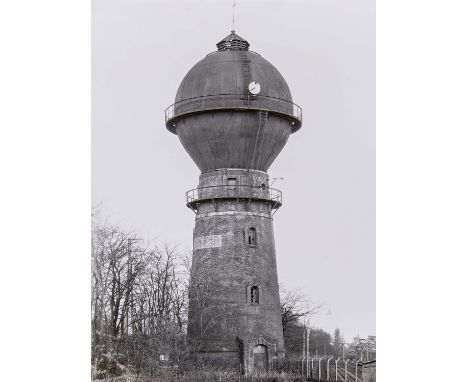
(319, 371)
(346, 370)
(336, 369)
(328, 368)
(355, 376)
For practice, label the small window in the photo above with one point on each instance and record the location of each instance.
(232, 183)
(231, 187)
(252, 239)
(254, 294)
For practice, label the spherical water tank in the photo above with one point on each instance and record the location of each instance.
(223, 124)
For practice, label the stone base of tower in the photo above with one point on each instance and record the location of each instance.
(259, 355)
(226, 360)
(245, 337)
(251, 356)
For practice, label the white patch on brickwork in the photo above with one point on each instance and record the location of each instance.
(210, 241)
(223, 213)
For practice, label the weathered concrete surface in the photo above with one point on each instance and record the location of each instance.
(226, 139)
(221, 73)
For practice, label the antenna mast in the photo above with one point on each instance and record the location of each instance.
(233, 15)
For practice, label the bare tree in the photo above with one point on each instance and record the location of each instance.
(138, 300)
(115, 270)
(294, 306)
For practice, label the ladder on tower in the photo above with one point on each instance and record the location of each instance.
(246, 76)
(262, 121)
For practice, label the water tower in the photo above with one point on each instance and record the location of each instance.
(233, 113)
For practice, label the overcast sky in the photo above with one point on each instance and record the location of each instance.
(325, 49)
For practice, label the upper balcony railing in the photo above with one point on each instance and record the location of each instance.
(242, 191)
(235, 101)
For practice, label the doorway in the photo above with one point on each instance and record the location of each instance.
(260, 358)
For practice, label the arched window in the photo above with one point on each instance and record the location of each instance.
(252, 236)
(254, 294)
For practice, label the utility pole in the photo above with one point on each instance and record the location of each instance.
(303, 349)
(307, 352)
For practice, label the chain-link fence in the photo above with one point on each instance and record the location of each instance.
(328, 369)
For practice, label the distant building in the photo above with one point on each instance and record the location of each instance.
(369, 370)
(363, 349)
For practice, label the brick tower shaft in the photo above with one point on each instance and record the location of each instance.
(234, 300)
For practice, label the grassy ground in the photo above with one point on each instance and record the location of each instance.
(219, 378)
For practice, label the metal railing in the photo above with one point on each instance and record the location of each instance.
(242, 191)
(217, 51)
(234, 101)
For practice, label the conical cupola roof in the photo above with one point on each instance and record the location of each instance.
(233, 42)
